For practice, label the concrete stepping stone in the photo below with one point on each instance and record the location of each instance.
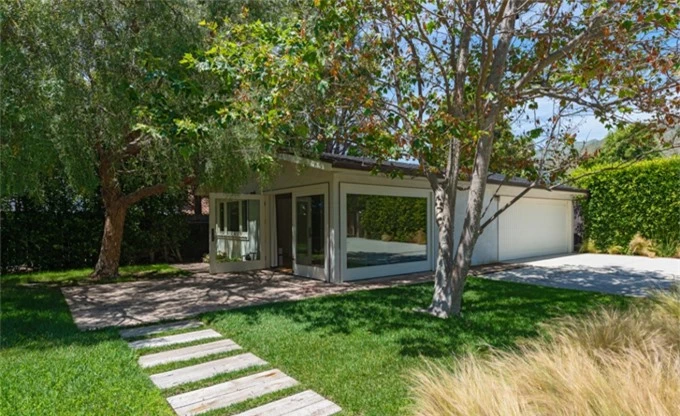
(157, 329)
(174, 339)
(205, 370)
(307, 403)
(230, 392)
(188, 353)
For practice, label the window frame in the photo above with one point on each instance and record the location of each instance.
(368, 272)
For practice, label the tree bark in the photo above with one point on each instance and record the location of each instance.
(112, 240)
(442, 299)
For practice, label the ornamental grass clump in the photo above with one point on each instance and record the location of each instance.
(607, 363)
(640, 246)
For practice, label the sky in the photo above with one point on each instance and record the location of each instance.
(586, 126)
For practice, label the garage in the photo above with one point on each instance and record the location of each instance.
(534, 227)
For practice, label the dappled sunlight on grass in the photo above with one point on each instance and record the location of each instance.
(349, 345)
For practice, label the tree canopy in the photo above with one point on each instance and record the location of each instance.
(436, 81)
(95, 92)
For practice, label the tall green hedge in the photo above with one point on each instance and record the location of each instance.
(643, 197)
(64, 231)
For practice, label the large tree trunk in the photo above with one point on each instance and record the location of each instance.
(451, 271)
(443, 304)
(116, 204)
(112, 239)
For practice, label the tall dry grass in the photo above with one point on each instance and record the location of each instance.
(607, 363)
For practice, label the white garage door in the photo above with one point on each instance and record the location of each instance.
(534, 227)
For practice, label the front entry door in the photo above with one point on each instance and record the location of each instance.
(236, 233)
(310, 236)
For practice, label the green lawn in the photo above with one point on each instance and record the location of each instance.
(49, 367)
(355, 349)
(76, 276)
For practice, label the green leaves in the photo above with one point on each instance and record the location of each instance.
(639, 198)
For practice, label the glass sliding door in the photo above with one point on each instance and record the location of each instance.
(236, 233)
(311, 217)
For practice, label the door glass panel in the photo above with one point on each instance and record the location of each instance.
(385, 230)
(233, 216)
(240, 241)
(310, 247)
(220, 218)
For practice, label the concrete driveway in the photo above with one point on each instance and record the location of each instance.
(622, 275)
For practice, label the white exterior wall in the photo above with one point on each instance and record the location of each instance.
(486, 249)
(491, 245)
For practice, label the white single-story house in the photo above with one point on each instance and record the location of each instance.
(332, 219)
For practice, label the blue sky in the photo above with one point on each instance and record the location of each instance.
(585, 126)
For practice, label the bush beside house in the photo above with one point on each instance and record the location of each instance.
(628, 205)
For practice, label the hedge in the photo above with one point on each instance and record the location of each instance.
(63, 231)
(643, 197)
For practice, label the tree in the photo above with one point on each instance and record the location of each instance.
(96, 89)
(436, 79)
(633, 142)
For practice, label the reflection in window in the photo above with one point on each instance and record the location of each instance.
(310, 230)
(385, 230)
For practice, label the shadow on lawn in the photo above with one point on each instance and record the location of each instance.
(494, 314)
(37, 317)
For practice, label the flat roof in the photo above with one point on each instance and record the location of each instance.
(413, 169)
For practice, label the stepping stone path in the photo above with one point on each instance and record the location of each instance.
(205, 370)
(174, 339)
(188, 353)
(222, 394)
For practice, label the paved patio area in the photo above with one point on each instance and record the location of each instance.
(142, 302)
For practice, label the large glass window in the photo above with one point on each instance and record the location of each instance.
(385, 230)
(310, 247)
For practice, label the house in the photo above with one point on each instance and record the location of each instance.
(332, 219)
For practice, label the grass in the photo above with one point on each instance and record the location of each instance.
(49, 367)
(610, 362)
(80, 276)
(357, 349)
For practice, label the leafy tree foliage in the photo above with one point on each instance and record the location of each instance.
(96, 90)
(436, 80)
(630, 143)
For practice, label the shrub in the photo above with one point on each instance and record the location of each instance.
(640, 246)
(588, 246)
(616, 250)
(607, 363)
(667, 248)
(390, 218)
(643, 197)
